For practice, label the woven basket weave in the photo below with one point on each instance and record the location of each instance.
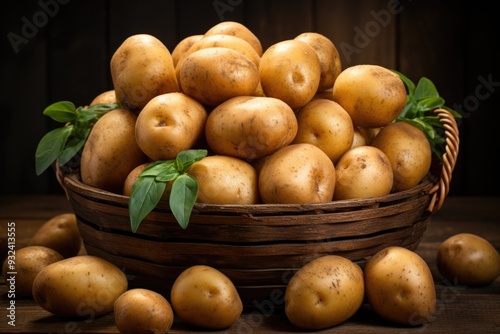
(258, 247)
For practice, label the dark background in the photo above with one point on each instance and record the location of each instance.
(67, 45)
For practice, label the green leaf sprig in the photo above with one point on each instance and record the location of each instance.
(422, 99)
(65, 142)
(149, 188)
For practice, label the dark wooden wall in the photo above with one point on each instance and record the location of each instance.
(66, 51)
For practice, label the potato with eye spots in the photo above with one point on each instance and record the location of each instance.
(469, 259)
(373, 95)
(290, 70)
(216, 74)
(250, 127)
(168, 124)
(323, 293)
(142, 68)
(204, 297)
(80, 286)
(399, 286)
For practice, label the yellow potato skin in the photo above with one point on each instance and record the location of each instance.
(223, 41)
(204, 297)
(290, 71)
(82, 286)
(468, 259)
(238, 30)
(183, 46)
(409, 152)
(59, 233)
(373, 95)
(249, 127)
(169, 124)
(111, 151)
(297, 173)
(323, 293)
(107, 97)
(142, 68)
(399, 286)
(214, 75)
(30, 260)
(328, 55)
(362, 172)
(143, 311)
(325, 124)
(225, 180)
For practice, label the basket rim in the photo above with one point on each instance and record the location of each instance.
(74, 184)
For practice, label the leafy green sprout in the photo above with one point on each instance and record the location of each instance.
(149, 188)
(422, 99)
(63, 143)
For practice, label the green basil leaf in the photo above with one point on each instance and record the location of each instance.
(157, 167)
(50, 147)
(146, 193)
(182, 198)
(186, 159)
(430, 103)
(73, 146)
(425, 88)
(63, 111)
(167, 175)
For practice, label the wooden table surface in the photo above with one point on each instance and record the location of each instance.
(459, 308)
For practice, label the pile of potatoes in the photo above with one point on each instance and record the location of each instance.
(282, 125)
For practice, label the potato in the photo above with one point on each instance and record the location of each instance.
(325, 124)
(399, 286)
(111, 152)
(142, 68)
(249, 127)
(132, 177)
(290, 71)
(80, 286)
(363, 172)
(59, 233)
(223, 41)
(183, 46)
(409, 152)
(143, 311)
(30, 260)
(107, 97)
(323, 293)
(297, 173)
(328, 55)
(168, 124)
(373, 95)
(236, 29)
(468, 259)
(225, 180)
(360, 138)
(203, 296)
(214, 75)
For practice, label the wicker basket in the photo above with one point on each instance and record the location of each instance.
(258, 247)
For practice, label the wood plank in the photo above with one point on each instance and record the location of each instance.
(195, 17)
(364, 32)
(155, 17)
(275, 21)
(23, 96)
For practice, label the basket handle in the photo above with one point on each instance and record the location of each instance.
(442, 187)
